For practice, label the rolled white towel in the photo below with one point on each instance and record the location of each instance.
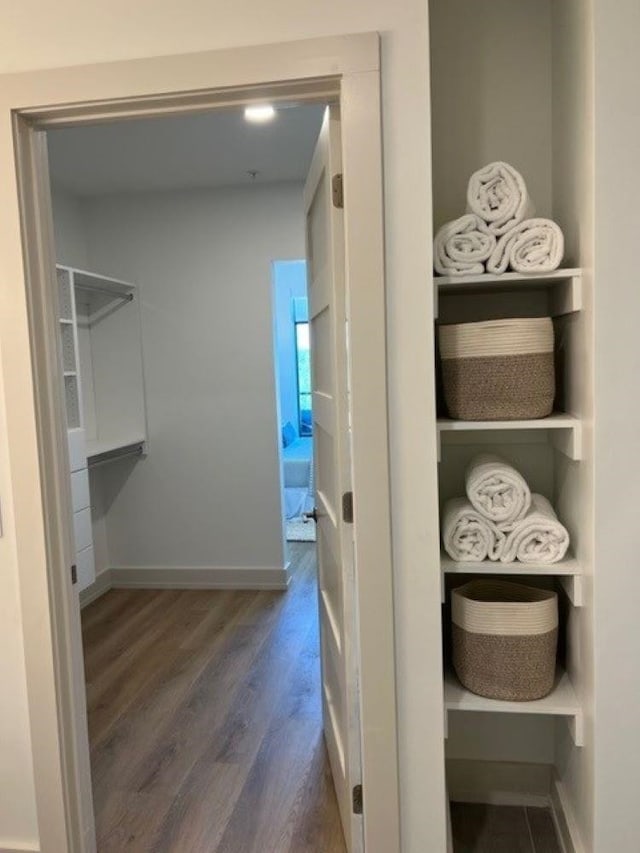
(498, 194)
(469, 536)
(496, 490)
(461, 247)
(532, 246)
(538, 537)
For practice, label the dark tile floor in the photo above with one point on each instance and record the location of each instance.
(478, 828)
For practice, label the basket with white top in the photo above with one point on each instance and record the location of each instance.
(498, 369)
(505, 638)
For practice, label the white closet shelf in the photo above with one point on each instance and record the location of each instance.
(561, 702)
(568, 571)
(105, 450)
(88, 280)
(565, 430)
(100, 294)
(564, 287)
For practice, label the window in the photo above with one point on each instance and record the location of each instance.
(305, 423)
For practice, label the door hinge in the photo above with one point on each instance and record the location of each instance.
(347, 507)
(74, 573)
(337, 192)
(357, 799)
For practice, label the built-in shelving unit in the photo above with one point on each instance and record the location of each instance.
(472, 298)
(497, 751)
(110, 365)
(101, 352)
(561, 702)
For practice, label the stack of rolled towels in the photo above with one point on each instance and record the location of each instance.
(501, 519)
(499, 230)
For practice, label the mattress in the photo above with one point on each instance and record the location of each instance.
(296, 463)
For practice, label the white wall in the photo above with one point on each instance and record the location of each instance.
(617, 425)
(18, 820)
(207, 494)
(69, 230)
(573, 161)
(491, 91)
(40, 35)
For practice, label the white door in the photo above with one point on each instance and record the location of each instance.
(331, 438)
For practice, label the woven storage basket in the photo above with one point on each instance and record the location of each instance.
(505, 637)
(498, 369)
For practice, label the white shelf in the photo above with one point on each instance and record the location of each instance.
(564, 287)
(568, 571)
(64, 322)
(100, 294)
(561, 702)
(103, 450)
(566, 436)
(89, 280)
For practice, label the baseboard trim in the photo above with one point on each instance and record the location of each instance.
(169, 577)
(101, 584)
(564, 819)
(19, 848)
(499, 783)
(214, 577)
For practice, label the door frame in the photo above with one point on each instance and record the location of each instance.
(36, 518)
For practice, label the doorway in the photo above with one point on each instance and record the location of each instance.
(294, 392)
(204, 693)
(44, 322)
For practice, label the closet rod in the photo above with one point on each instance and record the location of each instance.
(127, 297)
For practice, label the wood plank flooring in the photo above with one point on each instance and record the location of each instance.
(205, 722)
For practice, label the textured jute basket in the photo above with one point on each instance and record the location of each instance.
(498, 369)
(505, 637)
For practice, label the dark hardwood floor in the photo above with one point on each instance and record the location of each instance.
(205, 723)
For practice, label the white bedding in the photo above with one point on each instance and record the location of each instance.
(296, 463)
(297, 477)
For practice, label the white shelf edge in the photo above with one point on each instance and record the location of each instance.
(568, 566)
(82, 276)
(491, 278)
(64, 322)
(565, 300)
(568, 571)
(566, 438)
(557, 420)
(561, 702)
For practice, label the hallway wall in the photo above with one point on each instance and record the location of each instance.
(72, 32)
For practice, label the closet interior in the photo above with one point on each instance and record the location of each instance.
(101, 347)
(500, 88)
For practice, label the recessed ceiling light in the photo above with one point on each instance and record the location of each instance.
(260, 113)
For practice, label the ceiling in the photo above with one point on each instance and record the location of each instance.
(213, 149)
